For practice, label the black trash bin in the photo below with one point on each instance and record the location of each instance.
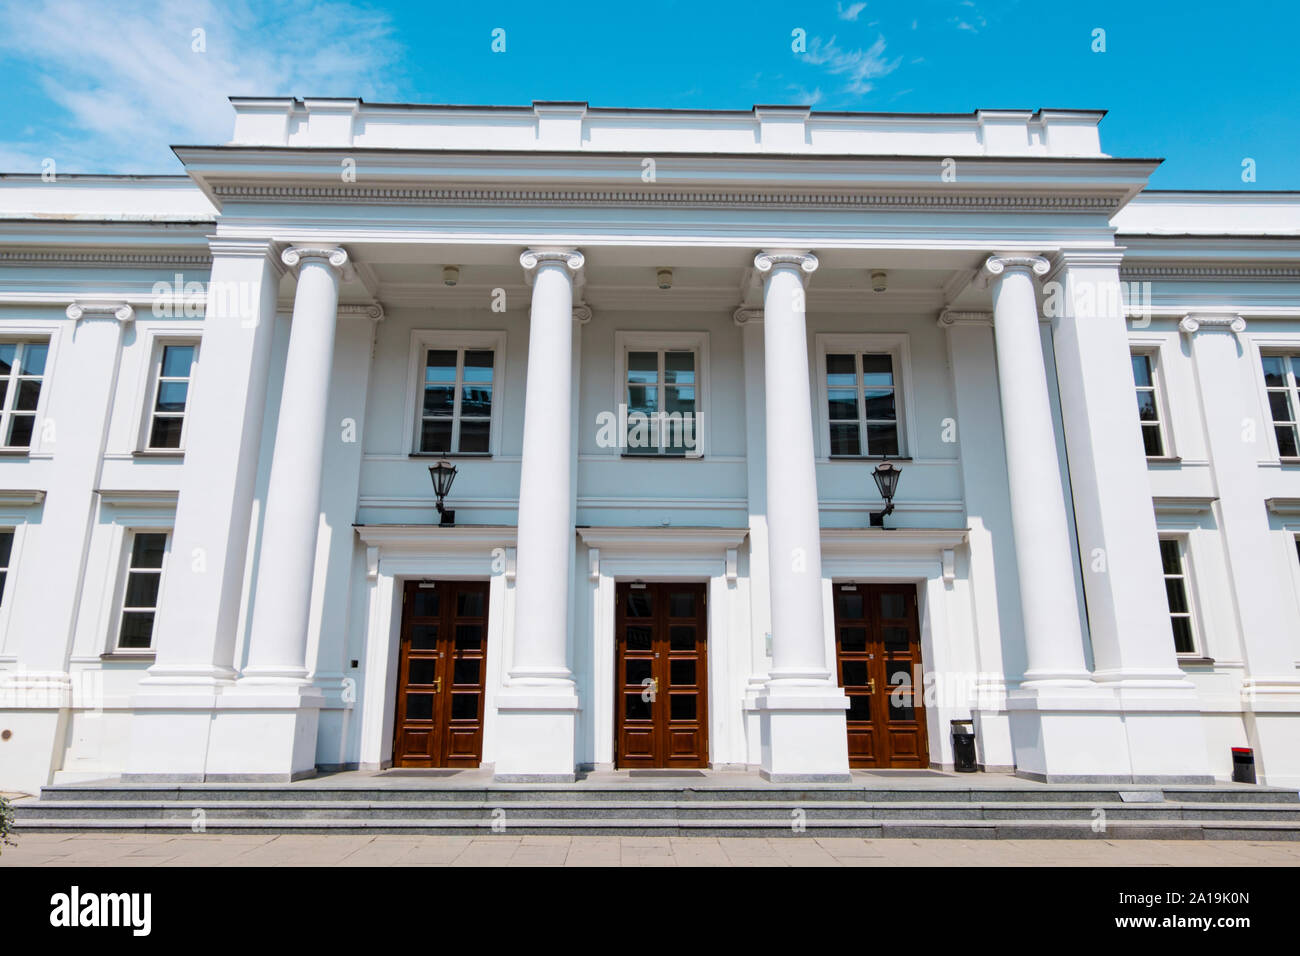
(1243, 765)
(963, 746)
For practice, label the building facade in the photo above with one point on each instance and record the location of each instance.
(665, 352)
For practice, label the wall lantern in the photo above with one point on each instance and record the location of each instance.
(450, 275)
(886, 475)
(443, 474)
(665, 277)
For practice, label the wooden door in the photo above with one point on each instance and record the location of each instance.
(442, 667)
(661, 660)
(878, 653)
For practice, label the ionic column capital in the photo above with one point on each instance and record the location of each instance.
(743, 316)
(121, 311)
(335, 256)
(997, 265)
(767, 260)
(1193, 323)
(532, 260)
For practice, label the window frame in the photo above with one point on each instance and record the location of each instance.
(1289, 350)
(1153, 356)
(1182, 541)
(460, 340)
(626, 341)
(118, 608)
(24, 338)
(897, 346)
(160, 340)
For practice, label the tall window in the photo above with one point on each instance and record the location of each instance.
(456, 410)
(1280, 382)
(171, 394)
(6, 554)
(861, 393)
(1148, 405)
(660, 394)
(140, 594)
(22, 366)
(1176, 591)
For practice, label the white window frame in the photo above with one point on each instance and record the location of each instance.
(24, 338)
(115, 647)
(1152, 354)
(17, 508)
(897, 346)
(159, 340)
(1290, 348)
(422, 340)
(666, 341)
(1189, 593)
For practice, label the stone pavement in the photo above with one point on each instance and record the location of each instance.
(144, 849)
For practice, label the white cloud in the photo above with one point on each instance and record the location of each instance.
(804, 97)
(851, 12)
(860, 66)
(130, 84)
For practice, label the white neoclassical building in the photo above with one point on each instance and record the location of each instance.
(665, 353)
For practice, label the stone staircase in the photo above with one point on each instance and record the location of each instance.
(948, 808)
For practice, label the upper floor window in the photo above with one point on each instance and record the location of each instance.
(171, 396)
(456, 401)
(661, 399)
(1176, 592)
(22, 367)
(862, 404)
(6, 555)
(1283, 400)
(1148, 402)
(140, 590)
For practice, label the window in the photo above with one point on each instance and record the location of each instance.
(170, 396)
(861, 404)
(1148, 405)
(6, 553)
(456, 401)
(1280, 383)
(22, 365)
(140, 594)
(1176, 591)
(661, 400)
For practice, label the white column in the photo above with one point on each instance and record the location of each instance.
(1225, 376)
(804, 734)
(199, 605)
(267, 728)
(538, 707)
(1128, 621)
(1053, 641)
(81, 378)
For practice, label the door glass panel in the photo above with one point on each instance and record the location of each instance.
(638, 603)
(469, 604)
(681, 604)
(637, 638)
(893, 605)
(424, 637)
(851, 605)
(464, 706)
(683, 707)
(681, 637)
(859, 707)
(465, 672)
(855, 673)
(638, 671)
(422, 671)
(853, 638)
(896, 638)
(426, 602)
(634, 708)
(899, 678)
(419, 707)
(469, 636)
(682, 673)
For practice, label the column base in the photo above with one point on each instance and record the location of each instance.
(171, 730)
(804, 736)
(536, 735)
(1272, 714)
(265, 733)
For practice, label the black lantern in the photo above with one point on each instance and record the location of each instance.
(443, 474)
(886, 475)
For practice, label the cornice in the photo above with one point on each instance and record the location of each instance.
(115, 260)
(1137, 270)
(348, 193)
(669, 540)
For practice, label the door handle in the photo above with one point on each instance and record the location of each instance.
(437, 684)
(871, 686)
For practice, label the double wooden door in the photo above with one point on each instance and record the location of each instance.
(661, 708)
(878, 652)
(442, 668)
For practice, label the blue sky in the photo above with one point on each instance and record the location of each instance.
(109, 86)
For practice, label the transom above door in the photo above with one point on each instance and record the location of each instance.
(878, 654)
(441, 674)
(661, 660)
